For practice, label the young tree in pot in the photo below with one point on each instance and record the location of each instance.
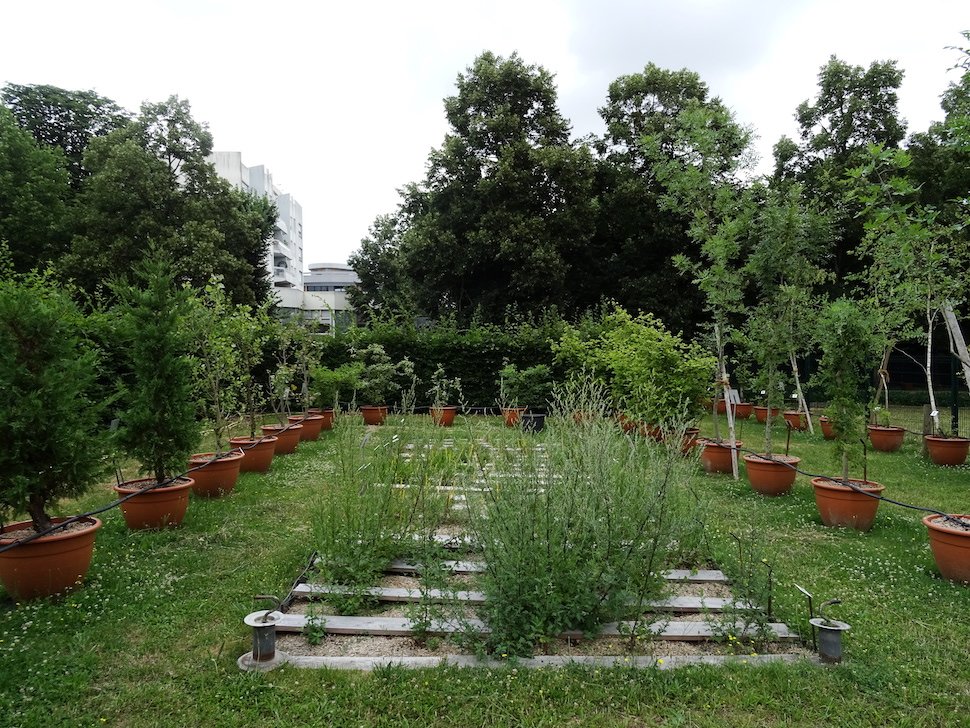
(282, 384)
(444, 391)
(508, 401)
(329, 386)
(218, 371)
(306, 352)
(250, 331)
(849, 344)
(158, 425)
(925, 259)
(377, 381)
(48, 371)
(533, 387)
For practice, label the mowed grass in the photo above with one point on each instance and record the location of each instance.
(153, 636)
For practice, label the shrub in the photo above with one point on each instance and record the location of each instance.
(329, 386)
(54, 443)
(530, 387)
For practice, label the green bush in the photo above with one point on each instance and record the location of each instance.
(530, 387)
(54, 442)
(329, 387)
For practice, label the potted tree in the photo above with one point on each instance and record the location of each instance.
(377, 381)
(508, 402)
(306, 354)
(158, 425)
(218, 371)
(769, 473)
(532, 386)
(328, 386)
(250, 331)
(49, 369)
(848, 344)
(282, 383)
(443, 391)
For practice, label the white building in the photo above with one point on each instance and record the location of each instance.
(284, 259)
(325, 293)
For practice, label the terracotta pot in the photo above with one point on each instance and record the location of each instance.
(627, 424)
(257, 452)
(721, 407)
(312, 424)
(216, 477)
(716, 456)
(690, 439)
(287, 438)
(652, 431)
(742, 410)
(48, 565)
(947, 450)
(761, 413)
(796, 420)
(886, 439)
(771, 477)
(828, 429)
(512, 415)
(840, 505)
(373, 415)
(950, 546)
(444, 416)
(327, 415)
(158, 508)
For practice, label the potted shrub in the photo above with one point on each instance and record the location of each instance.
(950, 542)
(158, 425)
(328, 386)
(443, 391)
(54, 444)
(882, 434)
(250, 331)
(378, 381)
(848, 345)
(218, 371)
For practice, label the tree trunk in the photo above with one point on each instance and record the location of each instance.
(882, 387)
(39, 517)
(934, 412)
(958, 346)
(802, 403)
(725, 386)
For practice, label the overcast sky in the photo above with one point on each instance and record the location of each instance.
(343, 103)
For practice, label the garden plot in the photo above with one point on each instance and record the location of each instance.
(449, 551)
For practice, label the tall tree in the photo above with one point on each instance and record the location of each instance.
(384, 287)
(649, 117)
(64, 119)
(506, 201)
(854, 108)
(150, 184)
(33, 197)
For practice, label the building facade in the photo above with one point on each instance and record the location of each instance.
(284, 258)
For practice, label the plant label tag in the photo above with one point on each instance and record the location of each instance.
(794, 396)
(115, 423)
(934, 413)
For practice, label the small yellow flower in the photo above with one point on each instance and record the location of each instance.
(660, 661)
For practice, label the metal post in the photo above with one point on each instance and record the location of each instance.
(954, 392)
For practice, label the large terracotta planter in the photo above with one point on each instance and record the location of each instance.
(312, 424)
(48, 565)
(886, 439)
(327, 415)
(444, 416)
(840, 505)
(947, 450)
(512, 415)
(720, 407)
(163, 507)
(691, 435)
(216, 477)
(742, 410)
(796, 420)
(951, 546)
(257, 452)
(761, 413)
(373, 415)
(771, 477)
(287, 438)
(828, 429)
(716, 456)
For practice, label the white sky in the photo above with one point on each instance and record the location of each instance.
(343, 103)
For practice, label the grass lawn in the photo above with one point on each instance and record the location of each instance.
(153, 636)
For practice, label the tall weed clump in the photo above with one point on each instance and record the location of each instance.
(578, 532)
(379, 498)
